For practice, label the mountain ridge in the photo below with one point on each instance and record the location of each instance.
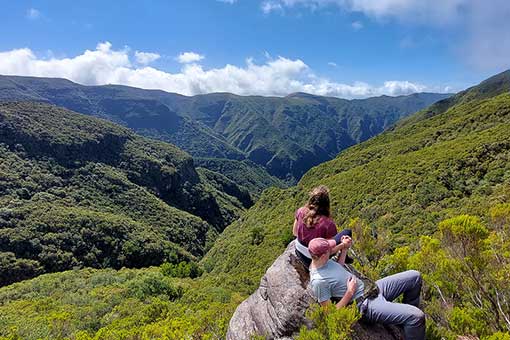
(266, 130)
(391, 190)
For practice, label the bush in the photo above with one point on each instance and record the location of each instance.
(154, 285)
(330, 322)
(181, 270)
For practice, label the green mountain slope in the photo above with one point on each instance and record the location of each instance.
(402, 182)
(246, 174)
(79, 191)
(287, 136)
(106, 304)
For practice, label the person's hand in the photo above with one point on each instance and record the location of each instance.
(346, 240)
(352, 284)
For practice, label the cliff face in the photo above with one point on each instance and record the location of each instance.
(277, 308)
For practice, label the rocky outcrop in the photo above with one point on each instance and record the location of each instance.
(277, 308)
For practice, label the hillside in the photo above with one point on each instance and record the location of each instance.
(80, 191)
(402, 183)
(246, 174)
(106, 304)
(286, 136)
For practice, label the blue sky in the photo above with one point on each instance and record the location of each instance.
(344, 48)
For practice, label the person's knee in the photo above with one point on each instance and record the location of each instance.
(416, 275)
(416, 317)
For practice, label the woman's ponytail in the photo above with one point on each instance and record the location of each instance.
(317, 206)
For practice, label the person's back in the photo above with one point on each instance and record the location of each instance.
(314, 221)
(324, 227)
(330, 281)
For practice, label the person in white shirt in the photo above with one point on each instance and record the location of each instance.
(336, 280)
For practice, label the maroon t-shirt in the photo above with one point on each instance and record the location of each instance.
(325, 227)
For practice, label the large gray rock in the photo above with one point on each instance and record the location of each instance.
(277, 309)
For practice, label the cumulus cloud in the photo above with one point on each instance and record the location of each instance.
(189, 57)
(33, 14)
(276, 76)
(145, 58)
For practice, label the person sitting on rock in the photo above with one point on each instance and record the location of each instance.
(313, 220)
(337, 281)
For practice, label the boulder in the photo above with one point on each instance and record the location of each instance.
(277, 308)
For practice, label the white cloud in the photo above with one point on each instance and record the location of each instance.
(395, 87)
(278, 76)
(33, 14)
(487, 43)
(357, 25)
(332, 64)
(228, 1)
(406, 10)
(270, 6)
(145, 58)
(483, 27)
(189, 57)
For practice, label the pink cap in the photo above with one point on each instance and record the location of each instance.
(320, 246)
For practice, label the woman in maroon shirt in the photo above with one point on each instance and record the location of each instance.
(314, 220)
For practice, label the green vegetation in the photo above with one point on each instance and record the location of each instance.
(182, 270)
(224, 185)
(107, 304)
(77, 191)
(329, 322)
(431, 194)
(286, 136)
(246, 174)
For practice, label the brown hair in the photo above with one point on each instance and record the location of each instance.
(317, 206)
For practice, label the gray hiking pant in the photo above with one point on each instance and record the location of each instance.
(407, 314)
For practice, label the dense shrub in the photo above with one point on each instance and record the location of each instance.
(329, 322)
(181, 270)
(78, 191)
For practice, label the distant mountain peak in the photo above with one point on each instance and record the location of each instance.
(285, 135)
(301, 94)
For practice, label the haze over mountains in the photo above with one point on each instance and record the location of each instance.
(283, 136)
